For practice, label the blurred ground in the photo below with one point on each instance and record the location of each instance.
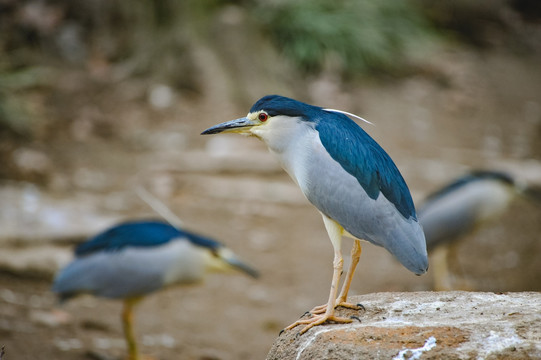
(470, 109)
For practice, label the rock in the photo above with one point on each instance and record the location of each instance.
(424, 325)
(36, 226)
(49, 319)
(30, 161)
(31, 216)
(35, 261)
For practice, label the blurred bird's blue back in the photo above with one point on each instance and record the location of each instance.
(477, 175)
(462, 205)
(139, 234)
(360, 155)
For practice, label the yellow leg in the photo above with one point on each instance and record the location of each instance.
(441, 274)
(335, 233)
(342, 298)
(355, 256)
(127, 324)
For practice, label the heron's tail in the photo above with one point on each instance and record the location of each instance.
(408, 245)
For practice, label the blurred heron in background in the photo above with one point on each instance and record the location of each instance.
(134, 259)
(347, 176)
(463, 206)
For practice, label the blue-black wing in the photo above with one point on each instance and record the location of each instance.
(476, 175)
(139, 234)
(360, 155)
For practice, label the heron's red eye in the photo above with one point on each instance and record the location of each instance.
(262, 117)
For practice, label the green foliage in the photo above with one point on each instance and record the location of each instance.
(361, 36)
(16, 114)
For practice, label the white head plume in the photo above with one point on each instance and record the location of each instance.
(349, 114)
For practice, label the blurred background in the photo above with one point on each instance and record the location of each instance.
(100, 96)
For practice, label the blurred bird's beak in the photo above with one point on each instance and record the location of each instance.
(229, 257)
(242, 125)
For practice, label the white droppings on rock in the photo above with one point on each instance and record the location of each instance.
(495, 342)
(414, 354)
(310, 339)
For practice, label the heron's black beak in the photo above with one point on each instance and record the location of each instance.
(242, 266)
(242, 125)
(232, 261)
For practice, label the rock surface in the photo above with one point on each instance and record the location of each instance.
(31, 216)
(425, 325)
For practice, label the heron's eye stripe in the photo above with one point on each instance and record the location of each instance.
(262, 117)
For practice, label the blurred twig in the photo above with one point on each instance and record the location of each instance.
(158, 207)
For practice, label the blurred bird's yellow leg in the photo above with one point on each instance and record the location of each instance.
(335, 232)
(441, 273)
(127, 324)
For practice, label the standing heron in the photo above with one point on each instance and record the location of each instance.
(347, 176)
(134, 259)
(460, 208)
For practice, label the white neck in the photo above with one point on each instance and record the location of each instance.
(291, 140)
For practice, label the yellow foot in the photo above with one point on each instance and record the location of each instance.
(322, 308)
(317, 320)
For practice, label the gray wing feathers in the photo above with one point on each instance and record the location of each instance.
(108, 274)
(377, 221)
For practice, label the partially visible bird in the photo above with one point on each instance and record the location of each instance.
(347, 176)
(461, 207)
(134, 259)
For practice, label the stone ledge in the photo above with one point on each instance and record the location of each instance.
(425, 325)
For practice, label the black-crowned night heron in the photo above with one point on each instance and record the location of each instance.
(347, 176)
(462, 206)
(133, 259)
